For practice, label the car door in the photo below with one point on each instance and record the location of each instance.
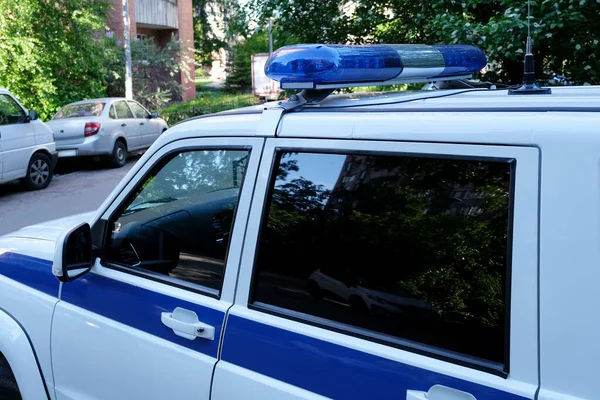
(453, 282)
(146, 321)
(17, 136)
(149, 127)
(129, 125)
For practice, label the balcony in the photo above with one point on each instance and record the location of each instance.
(157, 14)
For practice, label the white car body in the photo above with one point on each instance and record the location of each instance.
(118, 121)
(20, 140)
(103, 335)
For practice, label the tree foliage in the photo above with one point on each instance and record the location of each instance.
(49, 52)
(239, 62)
(155, 70)
(565, 33)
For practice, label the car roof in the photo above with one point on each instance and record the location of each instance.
(567, 97)
(98, 100)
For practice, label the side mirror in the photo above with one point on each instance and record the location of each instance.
(154, 115)
(33, 115)
(74, 255)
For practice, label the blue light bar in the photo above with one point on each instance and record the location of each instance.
(316, 66)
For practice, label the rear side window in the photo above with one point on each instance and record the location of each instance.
(111, 112)
(411, 251)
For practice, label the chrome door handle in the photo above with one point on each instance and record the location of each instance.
(439, 392)
(185, 324)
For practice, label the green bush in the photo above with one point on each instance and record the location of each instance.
(207, 103)
(49, 51)
(202, 73)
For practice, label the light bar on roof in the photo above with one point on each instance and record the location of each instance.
(318, 66)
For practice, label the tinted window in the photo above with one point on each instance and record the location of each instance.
(138, 110)
(80, 110)
(10, 111)
(123, 110)
(178, 222)
(411, 248)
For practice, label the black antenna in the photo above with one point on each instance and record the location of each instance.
(529, 86)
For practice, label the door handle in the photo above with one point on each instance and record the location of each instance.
(439, 392)
(123, 124)
(141, 123)
(185, 324)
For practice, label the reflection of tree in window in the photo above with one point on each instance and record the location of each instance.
(399, 230)
(186, 207)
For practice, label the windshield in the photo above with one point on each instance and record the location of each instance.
(80, 110)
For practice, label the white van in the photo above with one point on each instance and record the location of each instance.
(27, 148)
(437, 245)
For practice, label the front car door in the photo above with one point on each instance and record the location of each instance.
(17, 136)
(440, 243)
(129, 125)
(146, 322)
(149, 127)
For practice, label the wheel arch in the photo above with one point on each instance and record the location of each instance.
(17, 349)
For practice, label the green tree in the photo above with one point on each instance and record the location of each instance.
(239, 62)
(155, 71)
(50, 54)
(565, 33)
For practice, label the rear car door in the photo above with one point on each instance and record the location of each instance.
(146, 322)
(129, 125)
(150, 130)
(17, 136)
(437, 243)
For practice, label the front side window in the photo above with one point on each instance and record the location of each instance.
(393, 252)
(123, 110)
(138, 110)
(10, 111)
(80, 110)
(178, 222)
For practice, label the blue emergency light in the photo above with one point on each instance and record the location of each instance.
(319, 66)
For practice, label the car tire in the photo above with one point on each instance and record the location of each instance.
(118, 157)
(39, 172)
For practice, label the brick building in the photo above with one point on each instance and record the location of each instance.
(159, 19)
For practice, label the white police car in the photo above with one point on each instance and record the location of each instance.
(468, 218)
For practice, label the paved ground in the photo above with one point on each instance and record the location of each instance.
(79, 186)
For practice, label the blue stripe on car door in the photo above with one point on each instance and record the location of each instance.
(140, 308)
(31, 271)
(332, 370)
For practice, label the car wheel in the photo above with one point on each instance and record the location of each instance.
(119, 155)
(39, 172)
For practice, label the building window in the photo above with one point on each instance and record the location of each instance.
(391, 256)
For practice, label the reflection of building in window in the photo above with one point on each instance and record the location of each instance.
(464, 199)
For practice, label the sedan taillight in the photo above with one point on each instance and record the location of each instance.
(91, 128)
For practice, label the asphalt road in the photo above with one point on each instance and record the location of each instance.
(79, 185)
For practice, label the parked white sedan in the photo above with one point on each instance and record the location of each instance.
(105, 127)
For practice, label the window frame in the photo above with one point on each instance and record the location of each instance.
(18, 105)
(521, 327)
(147, 166)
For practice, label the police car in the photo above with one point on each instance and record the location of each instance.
(439, 244)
